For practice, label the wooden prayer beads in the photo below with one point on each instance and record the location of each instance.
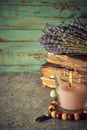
(55, 113)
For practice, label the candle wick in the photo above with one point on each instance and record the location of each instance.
(69, 84)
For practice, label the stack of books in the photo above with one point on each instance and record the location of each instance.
(58, 64)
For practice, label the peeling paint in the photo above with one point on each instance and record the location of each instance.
(37, 12)
(21, 21)
(22, 1)
(3, 40)
(8, 60)
(6, 1)
(66, 5)
(28, 23)
(45, 2)
(72, 15)
(1, 50)
(1, 60)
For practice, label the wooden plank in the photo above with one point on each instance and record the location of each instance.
(19, 68)
(19, 47)
(20, 35)
(40, 2)
(33, 17)
(13, 11)
(31, 23)
(21, 58)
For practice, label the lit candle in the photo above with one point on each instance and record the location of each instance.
(72, 96)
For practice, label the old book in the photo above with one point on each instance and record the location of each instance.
(71, 62)
(48, 82)
(60, 65)
(48, 73)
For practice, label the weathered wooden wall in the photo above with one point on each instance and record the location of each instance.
(21, 25)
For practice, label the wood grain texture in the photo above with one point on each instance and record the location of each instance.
(21, 59)
(20, 35)
(16, 46)
(43, 2)
(21, 24)
(34, 16)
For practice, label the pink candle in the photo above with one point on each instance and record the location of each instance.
(72, 97)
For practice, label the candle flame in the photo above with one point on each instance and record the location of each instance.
(70, 77)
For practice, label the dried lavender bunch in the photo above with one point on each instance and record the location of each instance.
(66, 38)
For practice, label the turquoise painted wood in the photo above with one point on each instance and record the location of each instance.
(21, 24)
(22, 47)
(20, 35)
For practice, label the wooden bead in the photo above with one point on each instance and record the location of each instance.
(52, 111)
(70, 117)
(64, 116)
(85, 111)
(58, 115)
(82, 115)
(76, 116)
(51, 107)
(53, 114)
(55, 102)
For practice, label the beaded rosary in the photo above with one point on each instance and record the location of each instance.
(54, 113)
(52, 110)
